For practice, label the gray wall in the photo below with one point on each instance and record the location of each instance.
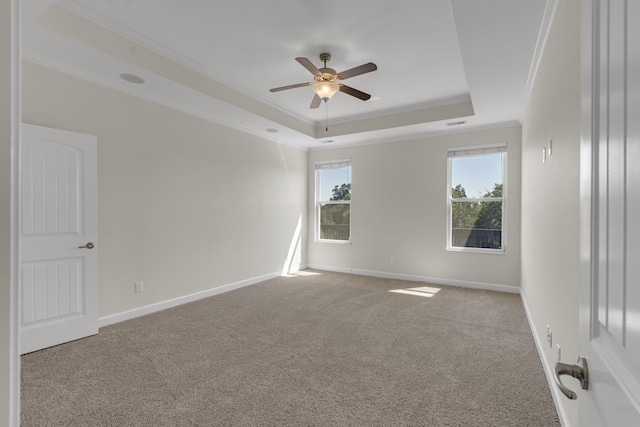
(5, 209)
(399, 210)
(185, 205)
(550, 193)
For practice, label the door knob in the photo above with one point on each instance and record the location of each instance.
(579, 370)
(89, 245)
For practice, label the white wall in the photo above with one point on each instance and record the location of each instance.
(550, 193)
(399, 210)
(185, 205)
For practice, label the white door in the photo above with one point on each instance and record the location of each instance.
(610, 214)
(58, 237)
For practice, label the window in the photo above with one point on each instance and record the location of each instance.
(333, 201)
(476, 198)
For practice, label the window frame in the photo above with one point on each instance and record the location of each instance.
(468, 151)
(325, 165)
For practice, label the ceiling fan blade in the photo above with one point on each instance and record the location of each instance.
(354, 92)
(309, 66)
(278, 89)
(362, 69)
(315, 103)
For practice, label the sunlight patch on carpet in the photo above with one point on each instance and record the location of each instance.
(423, 291)
(302, 273)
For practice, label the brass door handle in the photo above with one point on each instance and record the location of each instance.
(89, 245)
(579, 370)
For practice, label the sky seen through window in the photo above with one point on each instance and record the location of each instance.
(477, 174)
(331, 178)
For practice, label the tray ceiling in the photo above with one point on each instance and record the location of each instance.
(439, 61)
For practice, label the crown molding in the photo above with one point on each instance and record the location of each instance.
(418, 135)
(157, 100)
(546, 26)
(97, 18)
(456, 99)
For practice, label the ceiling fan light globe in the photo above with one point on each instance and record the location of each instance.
(325, 90)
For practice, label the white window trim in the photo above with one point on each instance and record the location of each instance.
(324, 165)
(473, 151)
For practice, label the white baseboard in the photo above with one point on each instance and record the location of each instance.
(152, 308)
(413, 278)
(548, 369)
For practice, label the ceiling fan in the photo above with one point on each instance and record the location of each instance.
(325, 85)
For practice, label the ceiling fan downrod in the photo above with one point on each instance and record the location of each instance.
(325, 57)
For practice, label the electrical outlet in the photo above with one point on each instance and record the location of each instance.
(549, 336)
(139, 287)
(558, 353)
(393, 260)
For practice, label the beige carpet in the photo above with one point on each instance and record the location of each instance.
(321, 349)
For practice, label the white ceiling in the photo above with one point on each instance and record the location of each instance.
(439, 61)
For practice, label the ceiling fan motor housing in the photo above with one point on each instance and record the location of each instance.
(328, 75)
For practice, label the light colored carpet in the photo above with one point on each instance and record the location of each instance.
(313, 350)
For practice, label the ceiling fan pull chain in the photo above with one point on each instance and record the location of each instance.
(326, 122)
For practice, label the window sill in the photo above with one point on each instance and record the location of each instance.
(477, 250)
(337, 242)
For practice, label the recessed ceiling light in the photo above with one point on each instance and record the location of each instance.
(132, 78)
(272, 130)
